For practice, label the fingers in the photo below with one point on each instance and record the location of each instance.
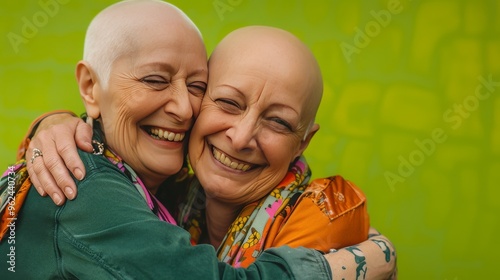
(64, 130)
(66, 148)
(83, 136)
(41, 178)
(49, 173)
(34, 180)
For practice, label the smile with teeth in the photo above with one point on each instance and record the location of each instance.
(161, 134)
(228, 161)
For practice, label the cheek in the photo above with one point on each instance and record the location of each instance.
(200, 130)
(280, 150)
(115, 102)
(209, 121)
(194, 151)
(120, 131)
(117, 118)
(195, 104)
(120, 124)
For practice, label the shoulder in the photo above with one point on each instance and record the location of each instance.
(99, 170)
(106, 194)
(103, 185)
(330, 213)
(94, 163)
(334, 195)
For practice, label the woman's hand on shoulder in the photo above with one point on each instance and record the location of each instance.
(57, 138)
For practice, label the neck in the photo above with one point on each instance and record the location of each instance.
(152, 188)
(152, 183)
(219, 216)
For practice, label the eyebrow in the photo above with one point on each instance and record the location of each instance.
(273, 105)
(157, 65)
(165, 66)
(278, 106)
(233, 88)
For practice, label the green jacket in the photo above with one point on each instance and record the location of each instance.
(108, 232)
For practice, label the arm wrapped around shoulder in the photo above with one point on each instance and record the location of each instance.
(331, 213)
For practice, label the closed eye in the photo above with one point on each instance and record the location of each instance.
(156, 82)
(228, 105)
(197, 88)
(282, 123)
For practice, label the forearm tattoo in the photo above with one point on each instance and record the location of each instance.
(383, 245)
(359, 258)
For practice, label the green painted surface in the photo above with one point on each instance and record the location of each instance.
(410, 112)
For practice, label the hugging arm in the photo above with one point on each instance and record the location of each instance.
(56, 135)
(374, 258)
(121, 238)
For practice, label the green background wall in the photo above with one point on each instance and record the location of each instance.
(411, 111)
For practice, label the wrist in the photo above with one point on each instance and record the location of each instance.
(23, 146)
(36, 123)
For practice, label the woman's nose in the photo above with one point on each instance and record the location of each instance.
(179, 104)
(243, 133)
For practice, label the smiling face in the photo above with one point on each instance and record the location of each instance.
(258, 109)
(152, 96)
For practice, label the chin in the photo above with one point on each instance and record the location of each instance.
(167, 167)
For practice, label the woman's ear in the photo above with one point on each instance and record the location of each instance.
(87, 81)
(307, 139)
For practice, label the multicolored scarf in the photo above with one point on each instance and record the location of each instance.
(246, 237)
(15, 184)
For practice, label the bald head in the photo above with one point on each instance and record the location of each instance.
(277, 53)
(121, 28)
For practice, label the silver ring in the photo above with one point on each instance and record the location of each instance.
(36, 153)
